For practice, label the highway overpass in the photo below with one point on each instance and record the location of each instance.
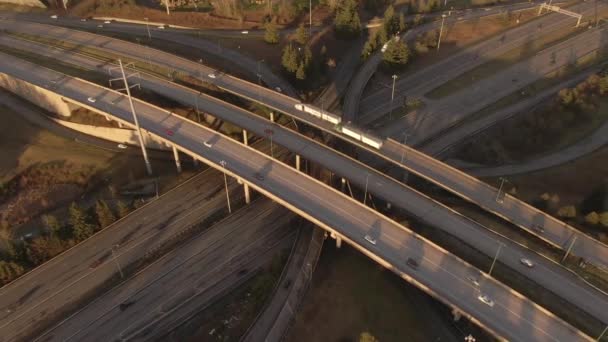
(525, 216)
(548, 274)
(439, 273)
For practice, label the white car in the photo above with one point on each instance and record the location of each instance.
(207, 143)
(54, 16)
(526, 262)
(486, 300)
(474, 281)
(107, 22)
(122, 146)
(211, 75)
(161, 27)
(99, 25)
(83, 19)
(92, 99)
(245, 32)
(278, 89)
(370, 239)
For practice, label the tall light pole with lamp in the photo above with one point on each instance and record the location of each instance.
(148, 29)
(223, 163)
(390, 114)
(440, 31)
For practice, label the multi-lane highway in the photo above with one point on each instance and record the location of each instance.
(438, 271)
(554, 278)
(42, 295)
(393, 152)
(425, 80)
(183, 282)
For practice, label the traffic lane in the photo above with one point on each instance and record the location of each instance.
(317, 153)
(435, 267)
(348, 215)
(39, 312)
(220, 236)
(140, 52)
(510, 209)
(429, 78)
(66, 269)
(200, 265)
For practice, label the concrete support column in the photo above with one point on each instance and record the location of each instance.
(245, 139)
(247, 195)
(245, 185)
(194, 161)
(119, 124)
(338, 242)
(177, 163)
(343, 185)
(298, 162)
(272, 116)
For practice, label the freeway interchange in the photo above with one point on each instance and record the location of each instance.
(439, 272)
(294, 190)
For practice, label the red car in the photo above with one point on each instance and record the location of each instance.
(169, 132)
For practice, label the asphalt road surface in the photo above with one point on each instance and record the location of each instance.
(425, 80)
(555, 278)
(39, 297)
(278, 101)
(184, 281)
(439, 272)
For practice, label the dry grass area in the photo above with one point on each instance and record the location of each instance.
(456, 37)
(351, 295)
(128, 10)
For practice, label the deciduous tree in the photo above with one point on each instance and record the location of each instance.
(271, 35)
(81, 228)
(105, 216)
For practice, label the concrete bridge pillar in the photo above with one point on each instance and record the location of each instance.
(298, 162)
(272, 116)
(343, 185)
(338, 242)
(245, 185)
(176, 155)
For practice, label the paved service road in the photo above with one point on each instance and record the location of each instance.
(439, 273)
(184, 281)
(554, 278)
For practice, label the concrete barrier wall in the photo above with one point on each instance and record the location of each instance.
(39, 96)
(117, 135)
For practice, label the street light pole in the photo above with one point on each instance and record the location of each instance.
(495, 257)
(498, 199)
(366, 182)
(390, 114)
(223, 163)
(141, 139)
(116, 262)
(259, 80)
(148, 29)
(602, 334)
(440, 31)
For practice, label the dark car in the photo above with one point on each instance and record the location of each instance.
(412, 263)
(123, 306)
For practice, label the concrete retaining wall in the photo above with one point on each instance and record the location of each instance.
(39, 96)
(118, 135)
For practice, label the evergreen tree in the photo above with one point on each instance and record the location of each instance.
(104, 214)
(347, 22)
(302, 35)
(271, 35)
(10, 271)
(52, 224)
(301, 73)
(402, 23)
(81, 228)
(289, 59)
(123, 209)
(396, 55)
